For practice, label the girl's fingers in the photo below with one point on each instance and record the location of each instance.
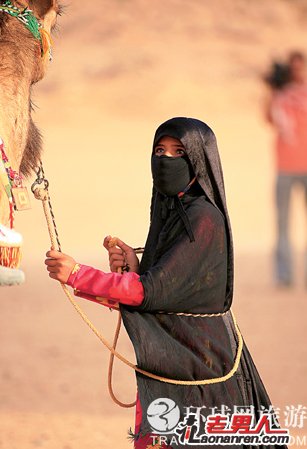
(117, 264)
(52, 269)
(115, 250)
(58, 277)
(124, 247)
(106, 242)
(51, 262)
(54, 254)
(119, 249)
(116, 257)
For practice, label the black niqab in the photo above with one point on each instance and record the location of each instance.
(191, 276)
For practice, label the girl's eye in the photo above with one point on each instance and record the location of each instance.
(158, 150)
(181, 152)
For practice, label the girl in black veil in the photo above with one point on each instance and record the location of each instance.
(176, 305)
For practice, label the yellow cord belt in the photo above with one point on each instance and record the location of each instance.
(41, 193)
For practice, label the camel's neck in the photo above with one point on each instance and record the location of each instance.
(15, 76)
(14, 119)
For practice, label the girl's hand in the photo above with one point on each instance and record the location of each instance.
(121, 255)
(59, 265)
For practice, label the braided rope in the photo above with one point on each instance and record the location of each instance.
(51, 211)
(112, 243)
(43, 195)
(195, 315)
(111, 364)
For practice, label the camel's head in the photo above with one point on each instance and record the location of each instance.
(46, 11)
(27, 24)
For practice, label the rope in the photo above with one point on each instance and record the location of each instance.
(111, 363)
(42, 194)
(46, 184)
(195, 315)
(112, 243)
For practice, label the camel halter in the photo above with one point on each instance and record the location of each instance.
(28, 19)
(42, 193)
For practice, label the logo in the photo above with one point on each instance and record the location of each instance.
(163, 415)
(197, 426)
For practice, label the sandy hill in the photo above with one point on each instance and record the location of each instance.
(138, 55)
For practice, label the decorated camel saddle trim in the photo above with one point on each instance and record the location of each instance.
(10, 240)
(10, 247)
(6, 179)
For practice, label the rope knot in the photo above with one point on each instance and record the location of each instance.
(40, 194)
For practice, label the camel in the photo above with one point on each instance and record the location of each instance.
(24, 57)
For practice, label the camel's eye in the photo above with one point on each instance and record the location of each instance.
(60, 10)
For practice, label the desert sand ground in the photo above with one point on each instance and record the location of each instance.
(120, 69)
(54, 371)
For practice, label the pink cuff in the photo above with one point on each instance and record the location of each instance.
(110, 303)
(125, 288)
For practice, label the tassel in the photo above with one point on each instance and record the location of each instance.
(10, 256)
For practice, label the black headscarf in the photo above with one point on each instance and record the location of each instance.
(201, 148)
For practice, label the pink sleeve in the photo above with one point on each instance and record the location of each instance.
(97, 286)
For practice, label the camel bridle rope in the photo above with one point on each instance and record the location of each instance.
(40, 189)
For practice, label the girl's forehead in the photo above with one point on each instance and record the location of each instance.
(170, 141)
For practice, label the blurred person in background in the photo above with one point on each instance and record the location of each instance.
(286, 111)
